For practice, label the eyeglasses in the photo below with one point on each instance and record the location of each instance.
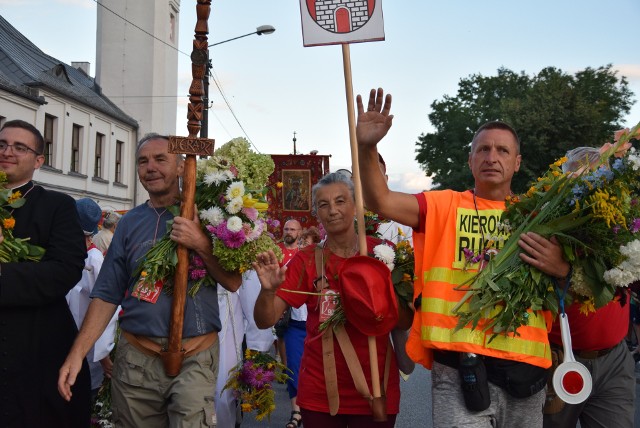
(18, 148)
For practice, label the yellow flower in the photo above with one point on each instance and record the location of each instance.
(531, 191)
(261, 206)
(400, 232)
(279, 184)
(587, 306)
(248, 201)
(14, 197)
(556, 173)
(143, 273)
(9, 223)
(246, 407)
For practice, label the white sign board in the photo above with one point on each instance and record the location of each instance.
(330, 22)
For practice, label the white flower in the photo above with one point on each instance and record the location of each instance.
(629, 270)
(214, 216)
(235, 190)
(385, 254)
(215, 177)
(235, 205)
(234, 224)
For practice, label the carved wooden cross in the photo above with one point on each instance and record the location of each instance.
(190, 146)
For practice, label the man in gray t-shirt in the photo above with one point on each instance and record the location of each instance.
(142, 394)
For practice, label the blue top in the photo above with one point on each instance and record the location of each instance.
(134, 236)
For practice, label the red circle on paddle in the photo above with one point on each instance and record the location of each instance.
(572, 382)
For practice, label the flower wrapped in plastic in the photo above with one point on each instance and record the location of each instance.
(252, 382)
(230, 212)
(593, 210)
(13, 249)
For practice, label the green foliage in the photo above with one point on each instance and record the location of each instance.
(552, 112)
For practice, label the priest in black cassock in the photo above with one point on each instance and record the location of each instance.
(36, 326)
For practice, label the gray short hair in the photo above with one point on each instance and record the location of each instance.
(111, 219)
(153, 136)
(331, 178)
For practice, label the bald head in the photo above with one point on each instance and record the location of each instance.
(291, 232)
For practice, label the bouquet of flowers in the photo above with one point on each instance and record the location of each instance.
(251, 381)
(594, 213)
(230, 211)
(13, 249)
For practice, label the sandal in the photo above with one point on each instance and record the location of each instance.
(294, 422)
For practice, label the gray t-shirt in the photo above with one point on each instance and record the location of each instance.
(134, 236)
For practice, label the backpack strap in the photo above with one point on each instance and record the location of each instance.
(348, 351)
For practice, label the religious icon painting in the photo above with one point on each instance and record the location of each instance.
(330, 22)
(296, 190)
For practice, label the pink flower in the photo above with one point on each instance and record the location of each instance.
(251, 213)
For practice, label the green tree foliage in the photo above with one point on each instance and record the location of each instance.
(552, 112)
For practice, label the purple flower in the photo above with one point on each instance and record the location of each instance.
(196, 261)
(196, 274)
(616, 229)
(234, 239)
(468, 254)
(635, 225)
(260, 378)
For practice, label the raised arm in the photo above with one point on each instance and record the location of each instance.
(269, 307)
(372, 126)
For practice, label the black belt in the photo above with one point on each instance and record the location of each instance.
(447, 358)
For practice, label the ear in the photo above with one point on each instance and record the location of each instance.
(39, 161)
(518, 160)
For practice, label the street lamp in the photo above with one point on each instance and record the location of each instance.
(204, 129)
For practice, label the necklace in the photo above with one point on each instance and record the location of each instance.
(155, 234)
(341, 252)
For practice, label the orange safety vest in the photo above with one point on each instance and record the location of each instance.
(452, 224)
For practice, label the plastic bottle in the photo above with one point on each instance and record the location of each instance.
(475, 386)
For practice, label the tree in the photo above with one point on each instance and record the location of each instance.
(552, 112)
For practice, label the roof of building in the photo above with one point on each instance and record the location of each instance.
(24, 68)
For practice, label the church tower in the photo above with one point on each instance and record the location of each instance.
(138, 71)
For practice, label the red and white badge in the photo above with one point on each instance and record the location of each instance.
(328, 302)
(148, 293)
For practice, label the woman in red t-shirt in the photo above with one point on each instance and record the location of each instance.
(293, 285)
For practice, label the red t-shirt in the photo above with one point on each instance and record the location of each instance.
(312, 395)
(602, 329)
(287, 253)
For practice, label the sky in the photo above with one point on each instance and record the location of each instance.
(276, 87)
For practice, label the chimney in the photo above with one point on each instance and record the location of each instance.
(82, 66)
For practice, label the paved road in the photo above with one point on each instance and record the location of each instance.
(415, 405)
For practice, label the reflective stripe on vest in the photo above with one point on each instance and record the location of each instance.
(448, 222)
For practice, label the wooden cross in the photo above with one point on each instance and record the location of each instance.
(190, 146)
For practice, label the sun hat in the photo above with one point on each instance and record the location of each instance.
(368, 296)
(90, 214)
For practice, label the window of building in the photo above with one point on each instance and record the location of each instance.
(172, 27)
(97, 166)
(76, 136)
(49, 132)
(119, 151)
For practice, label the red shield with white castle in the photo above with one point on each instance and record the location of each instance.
(341, 16)
(329, 22)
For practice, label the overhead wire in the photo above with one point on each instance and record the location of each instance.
(215, 80)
